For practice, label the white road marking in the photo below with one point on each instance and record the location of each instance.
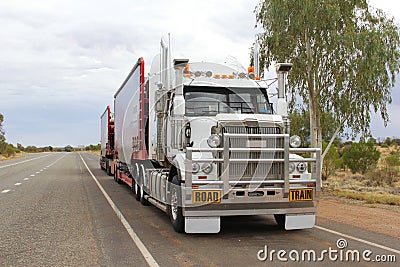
(146, 254)
(37, 172)
(32, 175)
(5, 191)
(22, 162)
(17, 183)
(26, 179)
(358, 239)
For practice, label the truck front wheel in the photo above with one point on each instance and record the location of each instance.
(280, 220)
(175, 208)
(137, 191)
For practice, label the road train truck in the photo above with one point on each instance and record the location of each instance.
(107, 140)
(202, 140)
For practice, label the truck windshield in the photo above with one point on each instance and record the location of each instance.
(210, 101)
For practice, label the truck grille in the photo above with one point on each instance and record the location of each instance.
(255, 170)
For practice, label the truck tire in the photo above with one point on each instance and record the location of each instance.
(108, 169)
(115, 175)
(143, 200)
(280, 220)
(137, 191)
(175, 208)
(116, 179)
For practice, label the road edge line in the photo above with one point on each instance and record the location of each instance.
(357, 239)
(135, 238)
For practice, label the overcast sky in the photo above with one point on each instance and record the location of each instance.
(62, 61)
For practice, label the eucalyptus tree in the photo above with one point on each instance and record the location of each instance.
(345, 56)
(2, 138)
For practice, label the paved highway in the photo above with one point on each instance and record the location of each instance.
(60, 209)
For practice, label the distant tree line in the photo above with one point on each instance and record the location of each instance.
(8, 150)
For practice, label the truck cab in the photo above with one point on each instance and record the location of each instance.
(226, 150)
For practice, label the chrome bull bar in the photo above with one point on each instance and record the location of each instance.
(224, 181)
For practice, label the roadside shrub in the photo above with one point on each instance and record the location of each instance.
(10, 150)
(361, 157)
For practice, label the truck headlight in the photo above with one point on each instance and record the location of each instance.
(207, 168)
(214, 140)
(291, 167)
(302, 167)
(295, 141)
(195, 168)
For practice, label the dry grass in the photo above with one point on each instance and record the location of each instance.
(367, 197)
(15, 156)
(93, 152)
(372, 188)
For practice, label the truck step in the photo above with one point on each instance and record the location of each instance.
(159, 205)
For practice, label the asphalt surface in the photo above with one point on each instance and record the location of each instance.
(53, 213)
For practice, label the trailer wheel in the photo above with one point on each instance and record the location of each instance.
(116, 179)
(280, 220)
(108, 169)
(175, 208)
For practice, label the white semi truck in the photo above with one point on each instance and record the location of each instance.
(202, 140)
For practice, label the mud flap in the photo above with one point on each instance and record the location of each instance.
(299, 221)
(202, 225)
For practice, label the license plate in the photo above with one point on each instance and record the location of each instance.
(301, 194)
(206, 196)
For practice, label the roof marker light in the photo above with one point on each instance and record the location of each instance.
(197, 73)
(208, 73)
(186, 69)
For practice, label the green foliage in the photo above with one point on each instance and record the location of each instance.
(388, 141)
(31, 149)
(300, 125)
(7, 150)
(391, 168)
(332, 162)
(3, 147)
(345, 57)
(10, 150)
(93, 147)
(360, 157)
(20, 147)
(2, 137)
(68, 148)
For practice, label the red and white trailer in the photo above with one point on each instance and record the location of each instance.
(107, 141)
